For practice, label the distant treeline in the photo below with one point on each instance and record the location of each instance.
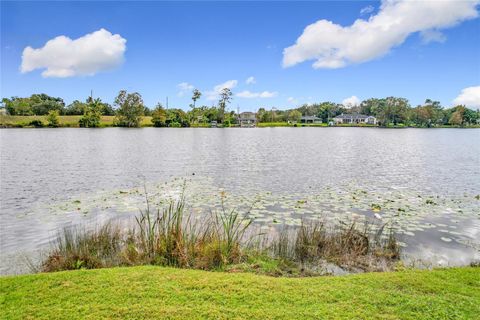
(129, 108)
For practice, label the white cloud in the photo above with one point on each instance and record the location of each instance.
(250, 80)
(292, 100)
(351, 101)
(249, 95)
(367, 10)
(63, 57)
(184, 88)
(334, 46)
(469, 97)
(432, 36)
(214, 94)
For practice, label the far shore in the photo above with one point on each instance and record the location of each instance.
(108, 121)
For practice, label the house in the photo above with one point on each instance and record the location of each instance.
(310, 119)
(354, 119)
(247, 119)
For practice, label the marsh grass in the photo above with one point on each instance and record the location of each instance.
(77, 248)
(222, 240)
(348, 246)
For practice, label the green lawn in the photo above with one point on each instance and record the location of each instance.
(65, 121)
(166, 293)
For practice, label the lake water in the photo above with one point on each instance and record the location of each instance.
(425, 180)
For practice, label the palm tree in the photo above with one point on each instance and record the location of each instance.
(196, 95)
(225, 98)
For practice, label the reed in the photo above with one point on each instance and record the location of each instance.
(222, 240)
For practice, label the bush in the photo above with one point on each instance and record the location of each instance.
(52, 118)
(36, 123)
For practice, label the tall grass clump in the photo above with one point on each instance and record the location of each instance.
(221, 240)
(77, 248)
(346, 245)
(172, 237)
(168, 236)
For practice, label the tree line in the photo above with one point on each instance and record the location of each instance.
(129, 109)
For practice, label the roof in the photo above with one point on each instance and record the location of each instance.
(247, 116)
(310, 118)
(353, 116)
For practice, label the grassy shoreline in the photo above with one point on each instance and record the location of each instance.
(108, 121)
(169, 293)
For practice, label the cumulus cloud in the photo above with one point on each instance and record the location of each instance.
(292, 100)
(249, 95)
(367, 10)
(63, 57)
(250, 80)
(432, 36)
(334, 46)
(351, 101)
(469, 97)
(184, 88)
(214, 94)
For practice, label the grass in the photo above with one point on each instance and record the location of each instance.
(64, 121)
(150, 292)
(347, 246)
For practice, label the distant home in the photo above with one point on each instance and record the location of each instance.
(310, 119)
(354, 119)
(247, 119)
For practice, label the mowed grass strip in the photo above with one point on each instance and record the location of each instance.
(149, 292)
(64, 121)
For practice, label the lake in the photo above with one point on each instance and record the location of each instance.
(424, 181)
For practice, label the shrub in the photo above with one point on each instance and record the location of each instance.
(92, 114)
(52, 118)
(36, 123)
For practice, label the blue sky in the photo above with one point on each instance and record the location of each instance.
(205, 44)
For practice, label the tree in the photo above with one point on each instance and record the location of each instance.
(130, 109)
(390, 110)
(470, 116)
(457, 117)
(92, 114)
(22, 107)
(294, 116)
(18, 106)
(177, 118)
(108, 110)
(52, 118)
(327, 110)
(225, 98)
(195, 96)
(75, 108)
(159, 116)
(42, 104)
(262, 115)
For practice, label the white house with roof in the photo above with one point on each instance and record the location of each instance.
(354, 119)
(247, 119)
(310, 119)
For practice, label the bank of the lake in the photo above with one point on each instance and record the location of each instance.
(7, 121)
(167, 293)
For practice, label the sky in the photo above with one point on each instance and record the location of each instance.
(270, 54)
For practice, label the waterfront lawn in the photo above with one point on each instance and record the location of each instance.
(64, 121)
(154, 292)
